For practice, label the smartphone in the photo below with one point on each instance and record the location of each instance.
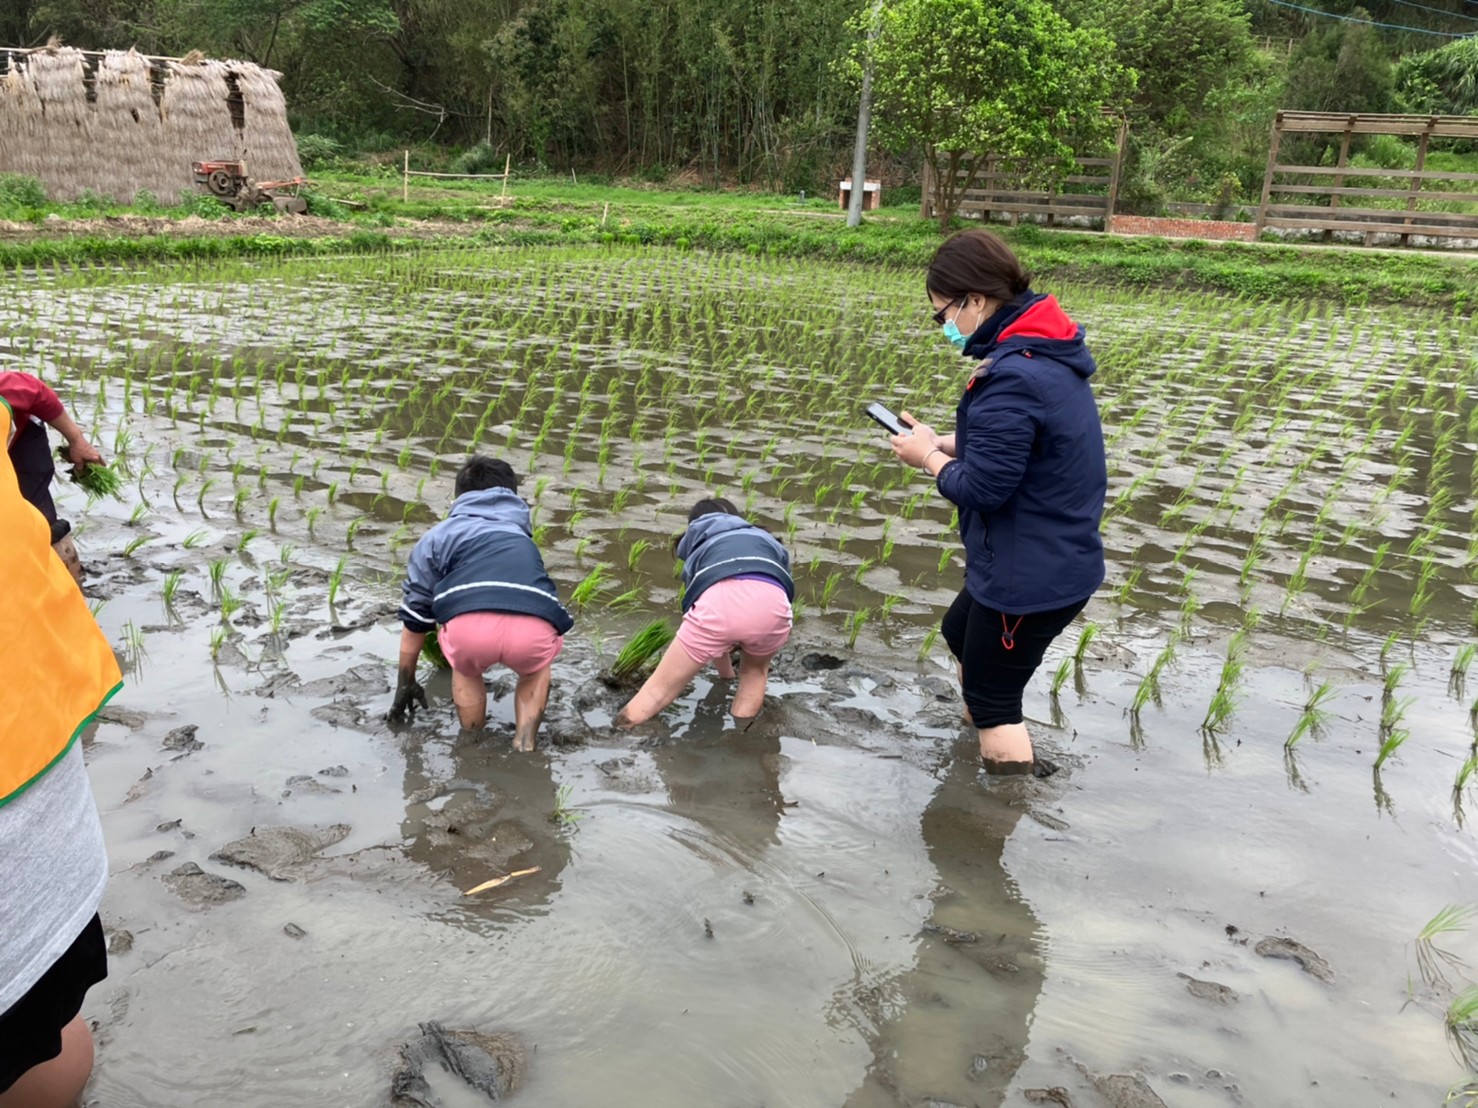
(890, 422)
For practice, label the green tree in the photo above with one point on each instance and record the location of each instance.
(1008, 78)
(1341, 68)
(1182, 50)
(1442, 81)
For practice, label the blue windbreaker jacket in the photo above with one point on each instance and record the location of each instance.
(481, 558)
(719, 546)
(1030, 475)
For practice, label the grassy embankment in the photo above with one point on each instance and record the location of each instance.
(364, 213)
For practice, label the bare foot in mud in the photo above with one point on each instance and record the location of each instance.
(525, 739)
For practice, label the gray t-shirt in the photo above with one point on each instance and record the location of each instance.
(53, 866)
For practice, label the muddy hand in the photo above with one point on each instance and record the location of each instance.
(408, 694)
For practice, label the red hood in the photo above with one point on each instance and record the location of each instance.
(1043, 320)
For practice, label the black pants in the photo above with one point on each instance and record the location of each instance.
(998, 653)
(30, 453)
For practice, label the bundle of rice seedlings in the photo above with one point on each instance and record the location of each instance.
(640, 654)
(96, 480)
(431, 651)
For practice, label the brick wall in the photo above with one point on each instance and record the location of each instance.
(1213, 229)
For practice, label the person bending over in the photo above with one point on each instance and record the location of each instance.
(33, 407)
(479, 578)
(737, 591)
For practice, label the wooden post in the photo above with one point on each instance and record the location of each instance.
(405, 179)
(503, 196)
(1416, 180)
(1267, 177)
(1339, 178)
(1113, 192)
(990, 188)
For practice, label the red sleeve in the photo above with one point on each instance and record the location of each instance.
(29, 396)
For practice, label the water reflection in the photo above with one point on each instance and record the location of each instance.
(485, 812)
(725, 779)
(955, 1027)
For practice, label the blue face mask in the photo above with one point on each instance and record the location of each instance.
(952, 333)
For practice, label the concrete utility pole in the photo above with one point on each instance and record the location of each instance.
(864, 120)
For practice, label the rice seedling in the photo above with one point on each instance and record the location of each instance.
(195, 539)
(1461, 1023)
(336, 579)
(927, 646)
(1314, 716)
(634, 553)
(641, 652)
(564, 814)
(1430, 958)
(134, 544)
(854, 624)
(1223, 701)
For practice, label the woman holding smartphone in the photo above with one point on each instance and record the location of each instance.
(1025, 466)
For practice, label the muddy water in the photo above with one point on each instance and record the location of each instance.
(831, 908)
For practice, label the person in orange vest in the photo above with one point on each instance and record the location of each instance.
(53, 864)
(33, 406)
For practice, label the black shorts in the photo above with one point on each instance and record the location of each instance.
(998, 653)
(30, 454)
(31, 1028)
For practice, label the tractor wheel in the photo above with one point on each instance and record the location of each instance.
(220, 183)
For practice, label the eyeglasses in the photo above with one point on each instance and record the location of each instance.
(938, 316)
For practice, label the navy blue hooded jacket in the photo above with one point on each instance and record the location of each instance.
(481, 558)
(719, 545)
(1030, 475)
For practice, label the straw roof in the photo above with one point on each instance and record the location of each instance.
(119, 122)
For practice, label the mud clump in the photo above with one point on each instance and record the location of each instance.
(1208, 990)
(816, 662)
(493, 1065)
(1295, 951)
(194, 886)
(280, 851)
(183, 739)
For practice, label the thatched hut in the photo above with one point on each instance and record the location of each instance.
(118, 123)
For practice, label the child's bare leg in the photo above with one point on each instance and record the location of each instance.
(470, 696)
(1006, 748)
(59, 1082)
(530, 698)
(749, 697)
(725, 666)
(665, 685)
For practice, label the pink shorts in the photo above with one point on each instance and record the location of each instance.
(474, 642)
(754, 615)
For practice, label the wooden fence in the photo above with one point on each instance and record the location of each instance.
(407, 173)
(1323, 201)
(1001, 189)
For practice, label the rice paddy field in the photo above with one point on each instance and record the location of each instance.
(1264, 717)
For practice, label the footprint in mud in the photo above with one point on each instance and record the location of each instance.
(1292, 949)
(1208, 990)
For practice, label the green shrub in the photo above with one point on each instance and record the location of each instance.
(20, 194)
(481, 158)
(326, 207)
(317, 151)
